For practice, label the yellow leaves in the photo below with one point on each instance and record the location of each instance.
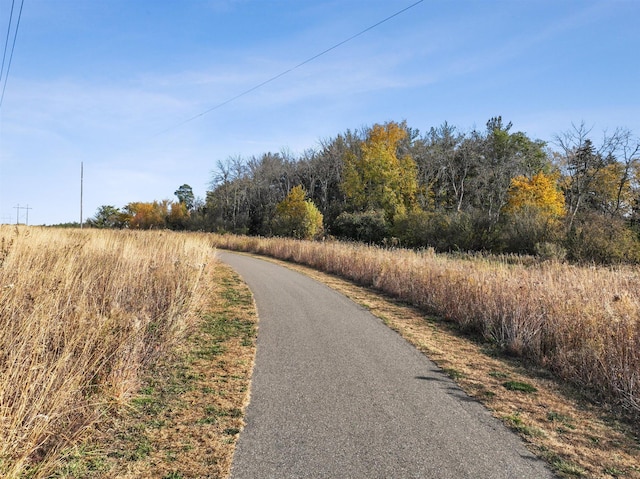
(378, 178)
(539, 192)
(297, 217)
(612, 188)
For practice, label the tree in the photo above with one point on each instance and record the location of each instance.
(378, 178)
(269, 180)
(185, 196)
(581, 164)
(297, 217)
(147, 215)
(462, 169)
(533, 211)
(178, 216)
(107, 216)
(540, 192)
(435, 156)
(598, 178)
(504, 156)
(227, 203)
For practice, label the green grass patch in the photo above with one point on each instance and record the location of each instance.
(569, 468)
(614, 471)
(519, 386)
(516, 422)
(453, 373)
(564, 420)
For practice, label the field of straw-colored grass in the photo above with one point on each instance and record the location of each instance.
(81, 314)
(581, 323)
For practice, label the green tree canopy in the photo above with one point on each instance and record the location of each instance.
(185, 196)
(107, 216)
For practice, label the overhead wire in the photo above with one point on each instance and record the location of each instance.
(279, 75)
(13, 46)
(6, 40)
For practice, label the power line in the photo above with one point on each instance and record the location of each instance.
(308, 60)
(13, 46)
(6, 40)
(18, 208)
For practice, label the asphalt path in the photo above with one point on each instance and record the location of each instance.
(337, 394)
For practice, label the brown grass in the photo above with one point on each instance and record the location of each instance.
(576, 438)
(583, 324)
(82, 314)
(186, 417)
(88, 319)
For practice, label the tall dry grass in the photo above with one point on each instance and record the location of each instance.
(81, 314)
(581, 323)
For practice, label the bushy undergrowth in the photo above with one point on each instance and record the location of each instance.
(581, 323)
(82, 312)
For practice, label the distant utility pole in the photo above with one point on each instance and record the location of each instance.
(81, 187)
(18, 208)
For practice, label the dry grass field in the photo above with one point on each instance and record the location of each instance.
(84, 316)
(128, 354)
(582, 324)
(553, 350)
(576, 438)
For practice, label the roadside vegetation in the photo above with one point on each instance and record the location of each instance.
(494, 189)
(128, 353)
(553, 417)
(580, 323)
(121, 352)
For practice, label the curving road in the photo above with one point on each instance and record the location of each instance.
(337, 394)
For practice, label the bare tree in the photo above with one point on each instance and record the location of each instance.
(584, 165)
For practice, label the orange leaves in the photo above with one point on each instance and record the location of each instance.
(158, 214)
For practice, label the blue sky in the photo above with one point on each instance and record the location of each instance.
(110, 83)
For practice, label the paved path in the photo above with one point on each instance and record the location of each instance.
(337, 394)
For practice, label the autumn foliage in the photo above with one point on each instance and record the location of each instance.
(492, 189)
(380, 178)
(541, 192)
(297, 217)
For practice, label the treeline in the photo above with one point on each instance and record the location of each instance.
(493, 190)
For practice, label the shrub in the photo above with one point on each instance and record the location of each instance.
(527, 226)
(550, 251)
(596, 238)
(439, 230)
(370, 226)
(297, 217)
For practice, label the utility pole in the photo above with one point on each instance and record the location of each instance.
(81, 187)
(18, 208)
